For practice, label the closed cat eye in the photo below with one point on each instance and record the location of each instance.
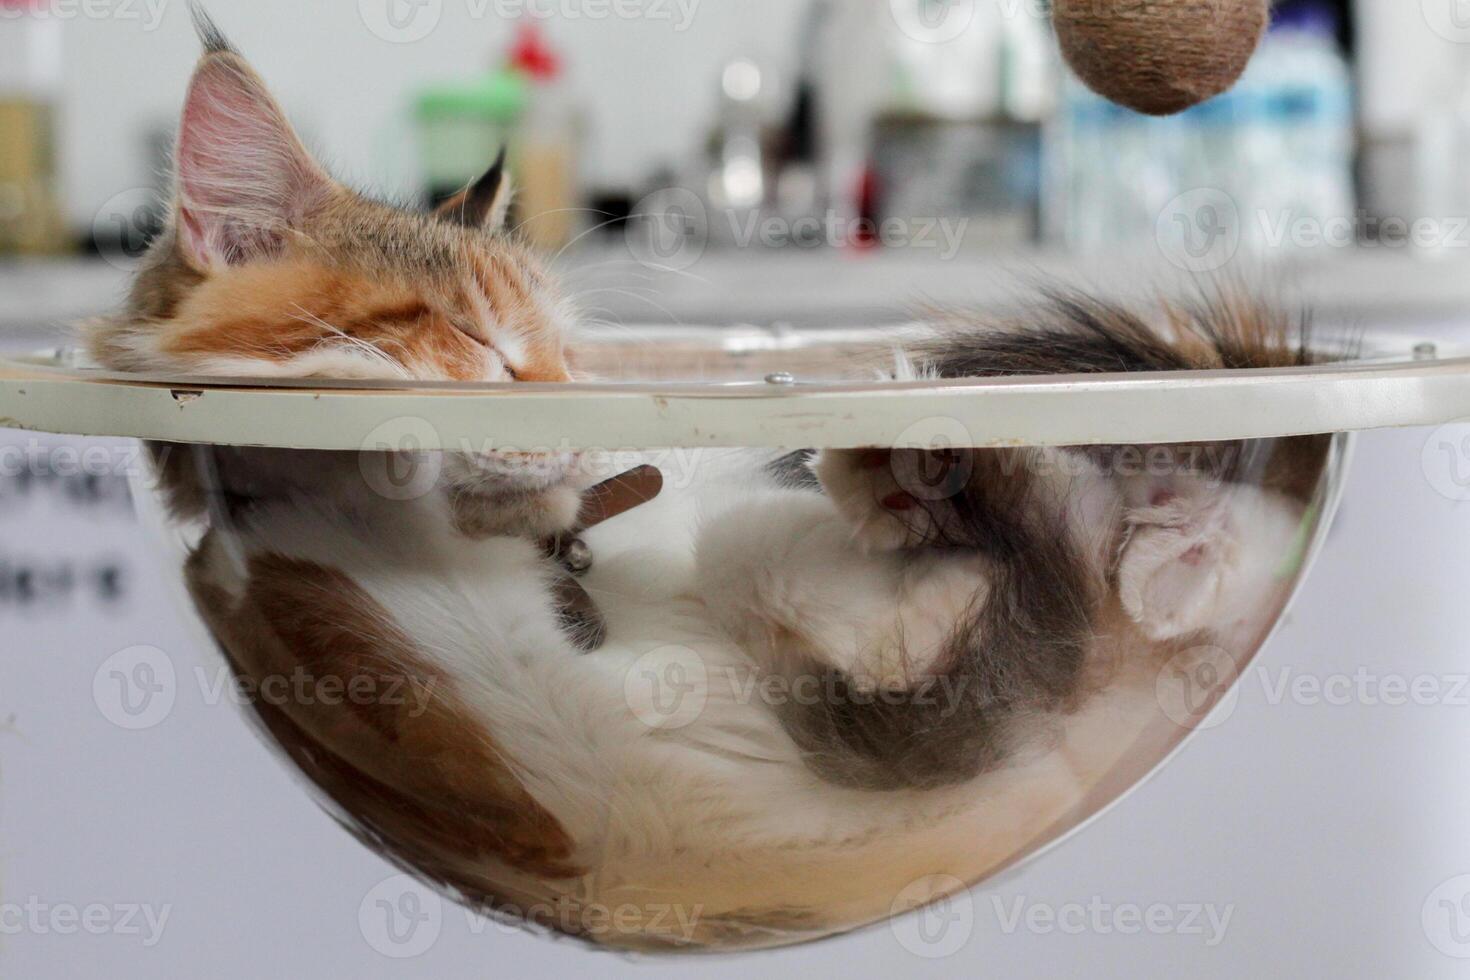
(473, 334)
(564, 645)
(485, 342)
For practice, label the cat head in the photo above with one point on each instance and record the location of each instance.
(269, 267)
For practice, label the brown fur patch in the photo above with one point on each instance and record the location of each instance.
(411, 765)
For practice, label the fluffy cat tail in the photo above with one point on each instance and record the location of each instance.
(1023, 649)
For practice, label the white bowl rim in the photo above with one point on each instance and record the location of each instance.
(1399, 383)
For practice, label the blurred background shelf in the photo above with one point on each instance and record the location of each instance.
(1362, 287)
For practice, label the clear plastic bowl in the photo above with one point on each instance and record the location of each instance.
(745, 661)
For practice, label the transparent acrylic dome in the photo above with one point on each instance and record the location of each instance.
(702, 686)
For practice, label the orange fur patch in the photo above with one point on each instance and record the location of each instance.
(278, 311)
(506, 286)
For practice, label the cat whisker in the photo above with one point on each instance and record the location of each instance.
(539, 214)
(595, 228)
(673, 318)
(373, 352)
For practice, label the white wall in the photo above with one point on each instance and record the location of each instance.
(1406, 65)
(649, 88)
(1326, 829)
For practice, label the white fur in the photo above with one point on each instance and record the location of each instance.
(720, 814)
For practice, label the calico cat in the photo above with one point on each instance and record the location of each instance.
(904, 666)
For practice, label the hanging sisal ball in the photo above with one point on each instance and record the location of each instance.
(1159, 56)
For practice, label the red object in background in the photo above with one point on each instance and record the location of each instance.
(533, 56)
(867, 209)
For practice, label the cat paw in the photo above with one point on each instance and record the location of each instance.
(524, 495)
(1173, 576)
(536, 515)
(893, 499)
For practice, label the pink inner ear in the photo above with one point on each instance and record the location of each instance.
(244, 178)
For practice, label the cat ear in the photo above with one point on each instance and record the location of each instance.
(483, 204)
(244, 179)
